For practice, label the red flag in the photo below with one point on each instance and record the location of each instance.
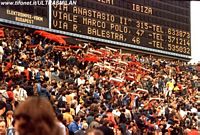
(193, 132)
(53, 37)
(1, 33)
(91, 59)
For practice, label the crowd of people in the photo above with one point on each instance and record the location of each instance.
(92, 90)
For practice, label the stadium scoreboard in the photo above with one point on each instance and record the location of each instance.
(157, 26)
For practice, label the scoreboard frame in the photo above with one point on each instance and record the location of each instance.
(98, 39)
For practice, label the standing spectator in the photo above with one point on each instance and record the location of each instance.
(3, 108)
(74, 126)
(9, 119)
(90, 117)
(67, 116)
(82, 131)
(1, 52)
(19, 94)
(61, 124)
(106, 129)
(2, 127)
(81, 80)
(94, 132)
(96, 122)
(27, 73)
(110, 116)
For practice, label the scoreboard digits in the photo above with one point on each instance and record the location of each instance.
(129, 22)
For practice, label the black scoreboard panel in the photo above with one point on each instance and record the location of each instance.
(155, 24)
(34, 13)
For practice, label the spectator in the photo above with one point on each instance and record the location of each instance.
(96, 122)
(94, 132)
(36, 119)
(9, 119)
(74, 126)
(19, 94)
(106, 129)
(82, 131)
(67, 116)
(2, 127)
(1, 52)
(61, 124)
(3, 109)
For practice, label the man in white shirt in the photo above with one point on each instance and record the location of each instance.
(19, 94)
(81, 80)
